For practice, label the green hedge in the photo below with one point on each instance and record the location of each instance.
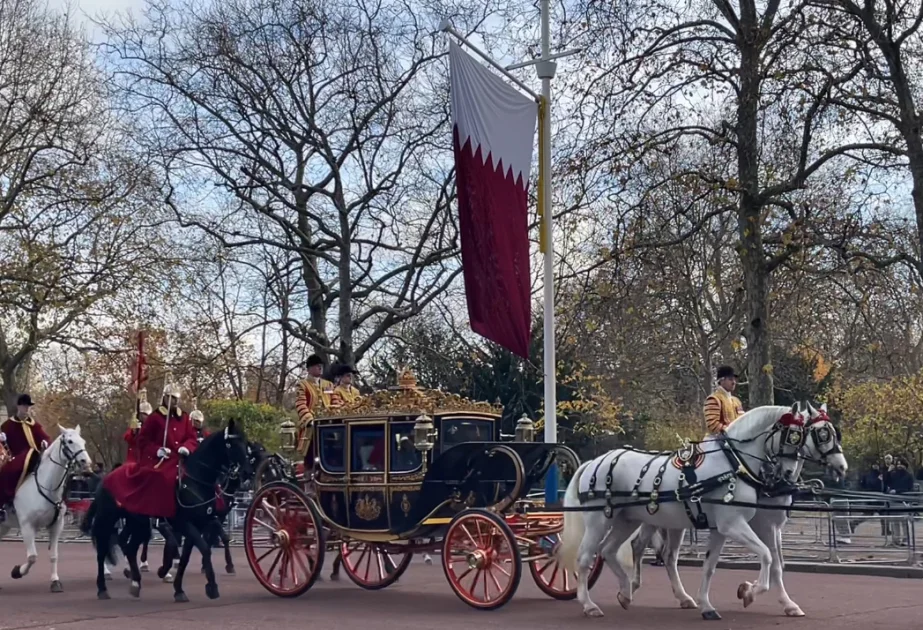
(260, 421)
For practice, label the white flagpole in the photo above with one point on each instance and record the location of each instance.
(545, 67)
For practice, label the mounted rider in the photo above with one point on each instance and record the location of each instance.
(134, 425)
(314, 396)
(147, 487)
(24, 438)
(198, 421)
(722, 408)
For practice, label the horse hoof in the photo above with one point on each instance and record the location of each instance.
(625, 602)
(16, 573)
(335, 577)
(57, 587)
(135, 590)
(794, 612)
(103, 595)
(211, 591)
(593, 612)
(144, 567)
(162, 572)
(230, 569)
(745, 593)
(180, 598)
(688, 604)
(108, 577)
(711, 615)
(168, 578)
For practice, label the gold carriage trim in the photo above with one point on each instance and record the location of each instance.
(409, 399)
(368, 508)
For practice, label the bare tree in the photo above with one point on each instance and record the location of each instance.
(323, 129)
(743, 80)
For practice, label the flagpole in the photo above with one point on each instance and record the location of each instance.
(546, 69)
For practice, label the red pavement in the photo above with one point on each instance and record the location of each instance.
(423, 600)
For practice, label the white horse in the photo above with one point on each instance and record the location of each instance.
(39, 501)
(753, 450)
(820, 444)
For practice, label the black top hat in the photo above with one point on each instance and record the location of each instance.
(314, 360)
(24, 400)
(726, 371)
(343, 370)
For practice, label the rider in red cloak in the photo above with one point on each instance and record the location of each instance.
(25, 438)
(148, 486)
(131, 435)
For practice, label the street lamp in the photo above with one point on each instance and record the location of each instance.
(287, 434)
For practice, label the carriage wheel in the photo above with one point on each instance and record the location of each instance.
(481, 559)
(368, 565)
(284, 540)
(555, 581)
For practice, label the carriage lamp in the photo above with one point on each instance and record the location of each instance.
(287, 433)
(525, 429)
(423, 434)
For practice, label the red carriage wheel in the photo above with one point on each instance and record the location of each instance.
(553, 580)
(481, 559)
(284, 540)
(368, 565)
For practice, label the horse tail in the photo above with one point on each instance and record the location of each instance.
(574, 527)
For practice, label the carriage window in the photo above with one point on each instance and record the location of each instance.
(404, 455)
(368, 448)
(332, 448)
(459, 431)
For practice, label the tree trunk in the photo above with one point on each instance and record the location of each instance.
(749, 223)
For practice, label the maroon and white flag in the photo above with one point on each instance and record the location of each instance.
(493, 132)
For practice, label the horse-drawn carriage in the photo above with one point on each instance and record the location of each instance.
(404, 471)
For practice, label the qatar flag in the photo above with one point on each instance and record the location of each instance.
(493, 132)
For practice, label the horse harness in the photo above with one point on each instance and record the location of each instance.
(70, 457)
(690, 490)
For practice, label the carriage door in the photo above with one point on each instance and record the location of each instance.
(368, 461)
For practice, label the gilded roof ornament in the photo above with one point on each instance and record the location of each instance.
(407, 398)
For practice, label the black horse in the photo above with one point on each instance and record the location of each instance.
(195, 499)
(214, 532)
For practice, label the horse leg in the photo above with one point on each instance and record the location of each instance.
(226, 542)
(178, 595)
(738, 529)
(712, 555)
(638, 545)
(770, 533)
(335, 571)
(596, 527)
(135, 540)
(672, 545)
(54, 535)
(28, 537)
(211, 586)
(618, 535)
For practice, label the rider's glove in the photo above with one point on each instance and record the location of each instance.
(163, 452)
(182, 450)
(3, 437)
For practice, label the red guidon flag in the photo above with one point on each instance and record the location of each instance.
(493, 131)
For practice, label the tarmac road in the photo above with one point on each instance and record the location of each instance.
(423, 600)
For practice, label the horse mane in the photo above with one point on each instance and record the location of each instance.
(755, 422)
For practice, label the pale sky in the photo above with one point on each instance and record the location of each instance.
(83, 8)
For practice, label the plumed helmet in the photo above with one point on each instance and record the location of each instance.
(195, 415)
(171, 389)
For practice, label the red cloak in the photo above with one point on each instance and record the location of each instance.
(24, 439)
(147, 487)
(131, 437)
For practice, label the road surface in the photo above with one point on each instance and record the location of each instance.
(423, 600)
